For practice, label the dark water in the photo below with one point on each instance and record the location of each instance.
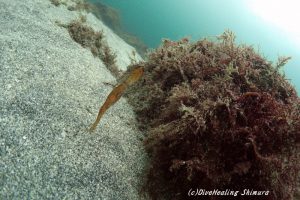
(152, 20)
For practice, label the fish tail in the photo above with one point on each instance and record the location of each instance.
(99, 116)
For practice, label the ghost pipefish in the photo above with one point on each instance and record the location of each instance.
(117, 92)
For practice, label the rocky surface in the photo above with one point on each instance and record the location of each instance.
(50, 92)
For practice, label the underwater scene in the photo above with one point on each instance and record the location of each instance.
(269, 26)
(150, 99)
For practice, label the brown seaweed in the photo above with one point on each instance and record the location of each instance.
(217, 116)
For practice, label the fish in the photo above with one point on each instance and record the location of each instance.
(117, 92)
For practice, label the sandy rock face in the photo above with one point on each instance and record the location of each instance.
(50, 92)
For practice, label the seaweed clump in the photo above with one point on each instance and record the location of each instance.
(93, 40)
(73, 5)
(56, 2)
(217, 116)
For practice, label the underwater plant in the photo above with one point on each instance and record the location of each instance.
(56, 2)
(217, 116)
(93, 40)
(73, 4)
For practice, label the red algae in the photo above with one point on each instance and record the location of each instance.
(217, 116)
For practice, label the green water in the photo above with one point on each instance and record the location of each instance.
(152, 20)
